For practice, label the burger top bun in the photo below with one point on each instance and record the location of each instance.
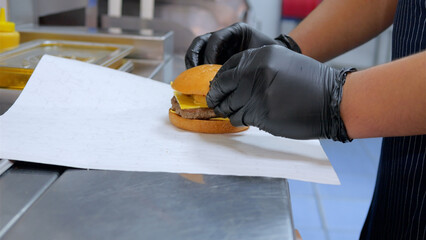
(196, 80)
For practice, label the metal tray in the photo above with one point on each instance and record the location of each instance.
(27, 55)
(158, 46)
(17, 65)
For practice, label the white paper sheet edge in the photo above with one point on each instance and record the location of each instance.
(81, 115)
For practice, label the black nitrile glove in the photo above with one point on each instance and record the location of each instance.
(282, 92)
(218, 47)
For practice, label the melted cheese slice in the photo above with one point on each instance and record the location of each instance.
(190, 101)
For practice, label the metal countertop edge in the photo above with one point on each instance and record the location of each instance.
(21, 212)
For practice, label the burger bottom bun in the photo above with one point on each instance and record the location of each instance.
(204, 126)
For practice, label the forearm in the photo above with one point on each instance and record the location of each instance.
(386, 100)
(337, 26)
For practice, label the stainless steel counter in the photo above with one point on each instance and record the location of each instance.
(39, 202)
(127, 205)
(20, 187)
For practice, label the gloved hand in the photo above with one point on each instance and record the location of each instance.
(218, 47)
(282, 92)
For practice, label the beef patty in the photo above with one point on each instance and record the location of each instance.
(196, 113)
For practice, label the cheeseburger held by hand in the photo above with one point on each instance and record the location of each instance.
(189, 109)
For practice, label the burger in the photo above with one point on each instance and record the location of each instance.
(189, 109)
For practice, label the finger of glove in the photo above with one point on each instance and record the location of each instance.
(259, 39)
(237, 118)
(195, 54)
(239, 86)
(238, 97)
(223, 83)
(230, 104)
(223, 44)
